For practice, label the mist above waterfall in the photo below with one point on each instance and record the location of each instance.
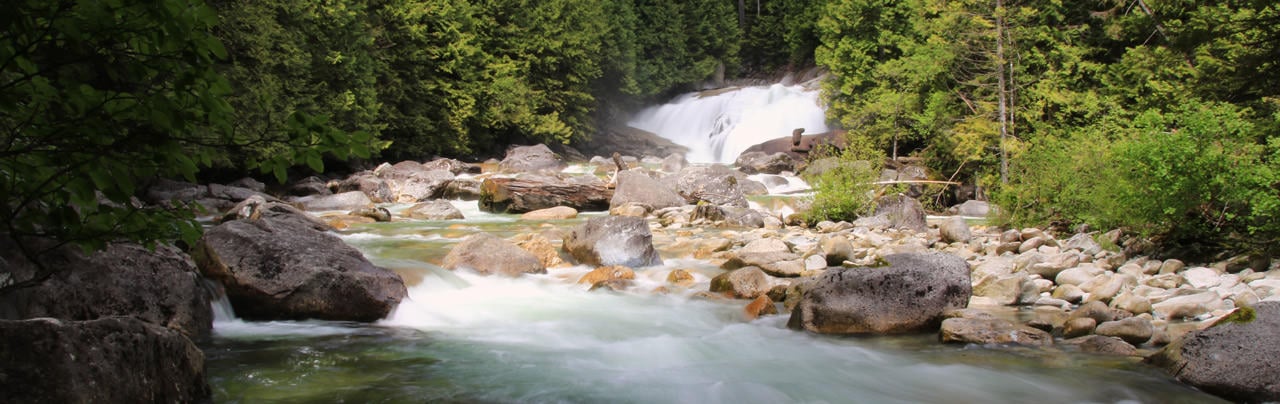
(719, 125)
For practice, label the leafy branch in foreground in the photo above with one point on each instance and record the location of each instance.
(97, 99)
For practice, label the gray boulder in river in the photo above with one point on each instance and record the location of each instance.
(716, 184)
(275, 268)
(613, 240)
(108, 360)
(908, 294)
(637, 187)
(1237, 360)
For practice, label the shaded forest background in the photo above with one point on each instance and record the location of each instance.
(1159, 117)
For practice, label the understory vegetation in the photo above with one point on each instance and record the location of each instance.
(1157, 117)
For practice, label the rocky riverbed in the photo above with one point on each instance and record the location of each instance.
(654, 227)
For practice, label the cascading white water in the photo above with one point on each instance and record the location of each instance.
(717, 127)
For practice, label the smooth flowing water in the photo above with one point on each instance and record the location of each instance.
(460, 337)
(718, 126)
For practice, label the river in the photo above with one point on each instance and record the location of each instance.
(461, 337)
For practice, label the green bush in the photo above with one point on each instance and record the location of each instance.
(1200, 176)
(847, 190)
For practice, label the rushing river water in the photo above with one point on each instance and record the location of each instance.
(460, 337)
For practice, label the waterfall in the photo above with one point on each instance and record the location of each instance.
(719, 125)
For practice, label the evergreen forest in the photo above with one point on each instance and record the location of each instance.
(1161, 117)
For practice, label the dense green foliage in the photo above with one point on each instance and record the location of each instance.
(1158, 117)
(846, 190)
(437, 77)
(97, 99)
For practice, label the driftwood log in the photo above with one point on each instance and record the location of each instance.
(526, 194)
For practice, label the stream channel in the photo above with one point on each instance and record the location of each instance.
(464, 338)
(460, 337)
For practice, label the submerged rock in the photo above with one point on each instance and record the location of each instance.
(602, 274)
(433, 210)
(553, 213)
(276, 269)
(109, 360)
(489, 255)
(613, 240)
(992, 331)
(1233, 359)
(909, 294)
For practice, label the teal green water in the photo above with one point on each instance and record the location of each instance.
(460, 337)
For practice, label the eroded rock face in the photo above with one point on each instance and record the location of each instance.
(279, 269)
(160, 287)
(489, 255)
(108, 360)
(1234, 360)
(910, 294)
(613, 240)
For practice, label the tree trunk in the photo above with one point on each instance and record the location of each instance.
(742, 13)
(1003, 92)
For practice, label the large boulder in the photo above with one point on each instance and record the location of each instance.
(755, 162)
(898, 212)
(281, 269)
(636, 187)
(489, 255)
(160, 286)
(716, 184)
(528, 159)
(532, 192)
(1233, 359)
(108, 360)
(908, 294)
(411, 182)
(613, 240)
